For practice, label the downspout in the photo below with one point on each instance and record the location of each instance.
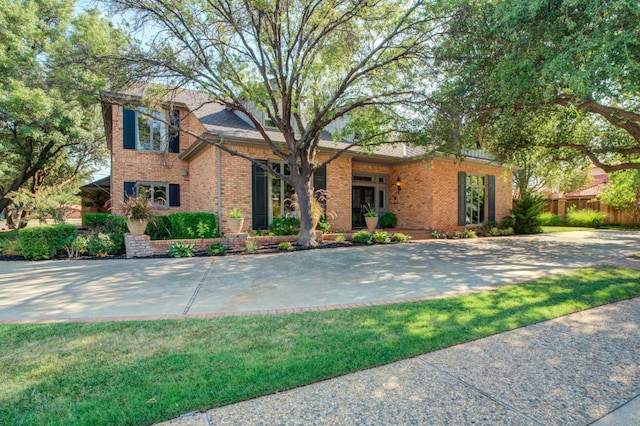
(218, 178)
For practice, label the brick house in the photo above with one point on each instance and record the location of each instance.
(187, 174)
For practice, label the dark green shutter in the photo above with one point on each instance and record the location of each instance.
(174, 138)
(259, 198)
(462, 198)
(129, 189)
(320, 178)
(128, 129)
(174, 195)
(492, 199)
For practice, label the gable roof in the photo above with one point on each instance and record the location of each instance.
(597, 184)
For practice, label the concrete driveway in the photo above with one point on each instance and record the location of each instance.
(86, 289)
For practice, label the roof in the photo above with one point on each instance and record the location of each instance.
(599, 180)
(219, 121)
(98, 185)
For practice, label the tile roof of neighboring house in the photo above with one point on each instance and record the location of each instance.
(599, 180)
(218, 120)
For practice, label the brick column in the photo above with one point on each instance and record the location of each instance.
(137, 246)
(562, 208)
(236, 241)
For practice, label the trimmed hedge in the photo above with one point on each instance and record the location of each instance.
(44, 242)
(193, 225)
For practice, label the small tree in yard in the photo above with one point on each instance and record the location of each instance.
(527, 214)
(358, 66)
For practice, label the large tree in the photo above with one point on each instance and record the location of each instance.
(50, 123)
(307, 65)
(576, 63)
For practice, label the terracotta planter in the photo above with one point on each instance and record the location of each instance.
(372, 222)
(235, 224)
(137, 226)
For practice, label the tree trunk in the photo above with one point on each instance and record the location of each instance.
(302, 186)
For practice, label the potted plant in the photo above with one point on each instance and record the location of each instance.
(236, 220)
(370, 216)
(137, 211)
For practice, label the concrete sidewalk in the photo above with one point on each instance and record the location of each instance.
(575, 370)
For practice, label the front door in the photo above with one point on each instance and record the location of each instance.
(361, 196)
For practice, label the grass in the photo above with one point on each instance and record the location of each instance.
(565, 228)
(147, 371)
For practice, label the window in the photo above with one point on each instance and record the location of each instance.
(146, 130)
(151, 133)
(476, 199)
(158, 193)
(281, 192)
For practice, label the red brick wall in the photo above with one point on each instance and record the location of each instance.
(129, 165)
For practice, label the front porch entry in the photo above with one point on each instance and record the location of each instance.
(368, 189)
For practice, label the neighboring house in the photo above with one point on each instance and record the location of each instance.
(185, 174)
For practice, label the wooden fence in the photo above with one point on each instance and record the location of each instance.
(559, 206)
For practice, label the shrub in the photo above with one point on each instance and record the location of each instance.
(399, 238)
(44, 242)
(323, 225)
(467, 233)
(361, 237)
(381, 237)
(100, 244)
(588, 218)
(216, 249)
(194, 225)
(251, 246)
(340, 239)
(181, 250)
(75, 245)
(285, 246)
(507, 231)
(388, 220)
(508, 222)
(284, 226)
(114, 226)
(159, 228)
(549, 219)
(526, 214)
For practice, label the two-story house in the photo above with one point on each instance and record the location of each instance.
(183, 173)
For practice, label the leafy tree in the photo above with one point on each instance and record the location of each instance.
(573, 64)
(623, 191)
(50, 133)
(307, 66)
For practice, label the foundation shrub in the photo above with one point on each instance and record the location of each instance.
(44, 242)
(361, 237)
(159, 228)
(381, 237)
(284, 226)
(587, 218)
(193, 225)
(388, 220)
(216, 249)
(399, 237)
(285, 246)
(181, 250)
(113, 226)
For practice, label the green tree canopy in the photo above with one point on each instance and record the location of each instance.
(50, 124)
(357, 66)
(574, 63)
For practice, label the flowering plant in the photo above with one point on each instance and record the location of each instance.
(136, 207)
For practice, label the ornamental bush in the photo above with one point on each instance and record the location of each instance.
(361, 237)
(388, 220)
(193, 225)
(526, 214)
(44, 242)
(549, 219)
(587, 218)
(381, 237)
(284, 226)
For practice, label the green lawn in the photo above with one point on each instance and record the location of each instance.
(565, 229)
(142, 372)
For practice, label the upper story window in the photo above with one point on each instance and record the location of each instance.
(151, 130)
(145, 129)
